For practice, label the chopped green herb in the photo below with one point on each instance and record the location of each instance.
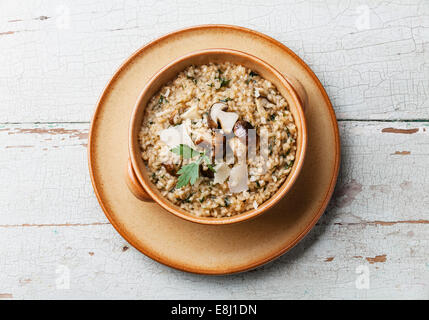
(257, 184)
(224, 82)
(247, 81)
(290, 164)
(188, 198)
(185, 151)
(226, 201)
(226, 99)
(253, 74)
(202, 200)
(162, 99)
(189, 173)
(288, 132)
(273, 117)
(192, 78)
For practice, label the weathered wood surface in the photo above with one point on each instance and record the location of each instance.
(378, 218)
(372, 58)
(57, 57)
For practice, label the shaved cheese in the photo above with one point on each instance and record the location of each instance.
(238, 178)
(222, 173)
(174, 136)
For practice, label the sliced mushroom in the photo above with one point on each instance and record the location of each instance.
(191, 113)
(171, 168)
(220, 147)
(225, 119)
(214, 110)
(238, 148)
(260, 106)
(206, 172)
(172, 117)
(241, 129)
(247, 135)
(207, 146)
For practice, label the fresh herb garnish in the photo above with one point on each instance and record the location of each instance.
(253, 74)
(192, 78)
(162, 99)
(224, 82)
(185, 151)
(226, 99)
(188, 198)
(189, 173)
(226, 201)
(273, 117)
(290, 164)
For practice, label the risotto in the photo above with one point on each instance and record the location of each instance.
(218, 140)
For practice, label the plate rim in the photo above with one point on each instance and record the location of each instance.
(273, 255)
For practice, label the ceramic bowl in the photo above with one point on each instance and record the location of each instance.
(136, 174)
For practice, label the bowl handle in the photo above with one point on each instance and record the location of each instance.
(134, 184)
(299, 89)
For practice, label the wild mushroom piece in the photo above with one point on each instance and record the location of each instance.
(191, 113)
(218, 115)
(206, 171)
(241, 129)
(238, 148)
(244, 131)
(171, 168)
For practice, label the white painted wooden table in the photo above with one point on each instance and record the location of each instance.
(373, 59)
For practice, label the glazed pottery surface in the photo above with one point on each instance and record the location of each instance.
(204, 248)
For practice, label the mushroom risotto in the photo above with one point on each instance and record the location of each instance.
(218, 140)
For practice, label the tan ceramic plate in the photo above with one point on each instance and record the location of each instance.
(204, 248)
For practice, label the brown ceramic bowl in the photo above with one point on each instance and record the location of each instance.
(137, 177)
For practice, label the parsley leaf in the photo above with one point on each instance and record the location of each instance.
(162, 99)
(189, 173)
(224, 82)
(185, 151)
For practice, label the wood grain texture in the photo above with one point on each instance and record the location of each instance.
(371, 57)
(374, 220)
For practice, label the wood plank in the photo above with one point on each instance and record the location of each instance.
(44, 174)
(384, 175)
(324, 265)
(57, 58)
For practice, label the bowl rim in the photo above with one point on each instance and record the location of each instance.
(284, 188)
